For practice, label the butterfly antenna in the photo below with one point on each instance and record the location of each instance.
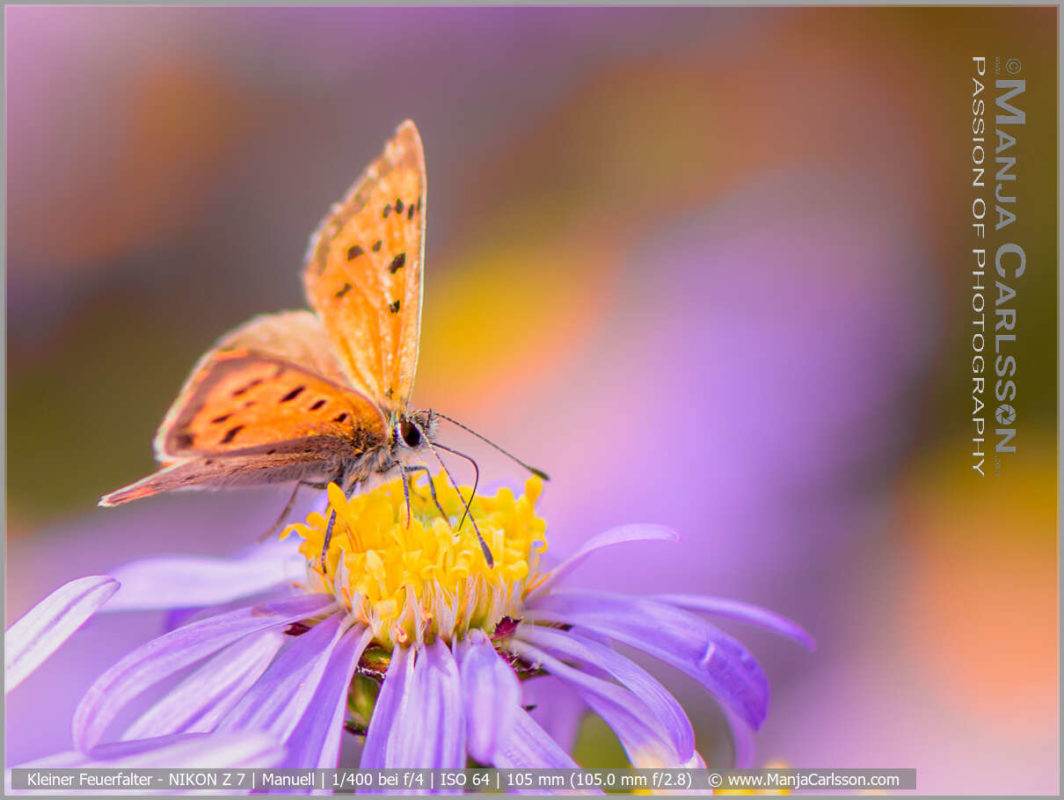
(476, 480)
(537, 472)
(483, 545)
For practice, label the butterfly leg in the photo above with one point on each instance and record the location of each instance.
(432, 486)
(328, 538)
(348, 481)
(406, 493)
(288, 508)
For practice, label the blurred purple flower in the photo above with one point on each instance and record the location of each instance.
(409, 638)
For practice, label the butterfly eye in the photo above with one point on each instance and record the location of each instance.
(411, 435)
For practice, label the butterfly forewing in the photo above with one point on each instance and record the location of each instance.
(242, 400)
(271, 380)
(363, 272)
(248, 418)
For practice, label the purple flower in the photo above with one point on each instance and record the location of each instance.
(51, 622)
(55, 619)
(407, 637)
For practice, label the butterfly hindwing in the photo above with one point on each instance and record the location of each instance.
(219, 473)
(296, 336)
(364, 272)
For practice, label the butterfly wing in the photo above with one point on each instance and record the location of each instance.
(241, 400)
(257, 469)
(266, 404)
(297, 336)
(364, 268)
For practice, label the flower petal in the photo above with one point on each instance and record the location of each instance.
(686, 641)
(492, 697)
(281, 696)
(429, 728)
(622, 534)
(555, 706)
(198, 750)
(175, 618)
(744, 612)
(315, 741)
(386, 711)
(210, 691)
(51, 622)
(159, 658)
(570, 646)
(192, 581)
(742, 741)
(528, 745)
(645, 740)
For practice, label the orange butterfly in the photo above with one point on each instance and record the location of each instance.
(322, 395)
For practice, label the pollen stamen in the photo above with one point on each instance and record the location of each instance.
(422, 580)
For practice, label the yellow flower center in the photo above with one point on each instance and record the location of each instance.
(417, 578)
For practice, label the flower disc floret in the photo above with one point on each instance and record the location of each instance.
(418, 577)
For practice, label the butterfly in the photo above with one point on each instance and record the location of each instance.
(319, 395)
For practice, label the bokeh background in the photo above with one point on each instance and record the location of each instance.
(708, 267)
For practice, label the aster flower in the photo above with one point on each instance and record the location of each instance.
(44, 629)
(408, 638)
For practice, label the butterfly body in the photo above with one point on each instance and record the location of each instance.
(323, 394)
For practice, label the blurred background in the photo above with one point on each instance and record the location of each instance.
(707, 267)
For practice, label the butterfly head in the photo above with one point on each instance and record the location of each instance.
(411, 430)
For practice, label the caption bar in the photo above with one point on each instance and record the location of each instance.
(484, 780)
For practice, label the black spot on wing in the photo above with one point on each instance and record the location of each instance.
(184, 439)
(247, 388)
(397, 263)
(394, 307)
(353, 252)
(342, 290)
(221, 419)
(318, 404)
(376, 246)
(292, 395)
(410, 212)
(387, 210)
(340, 417)
(399, 205)
(231, 434)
